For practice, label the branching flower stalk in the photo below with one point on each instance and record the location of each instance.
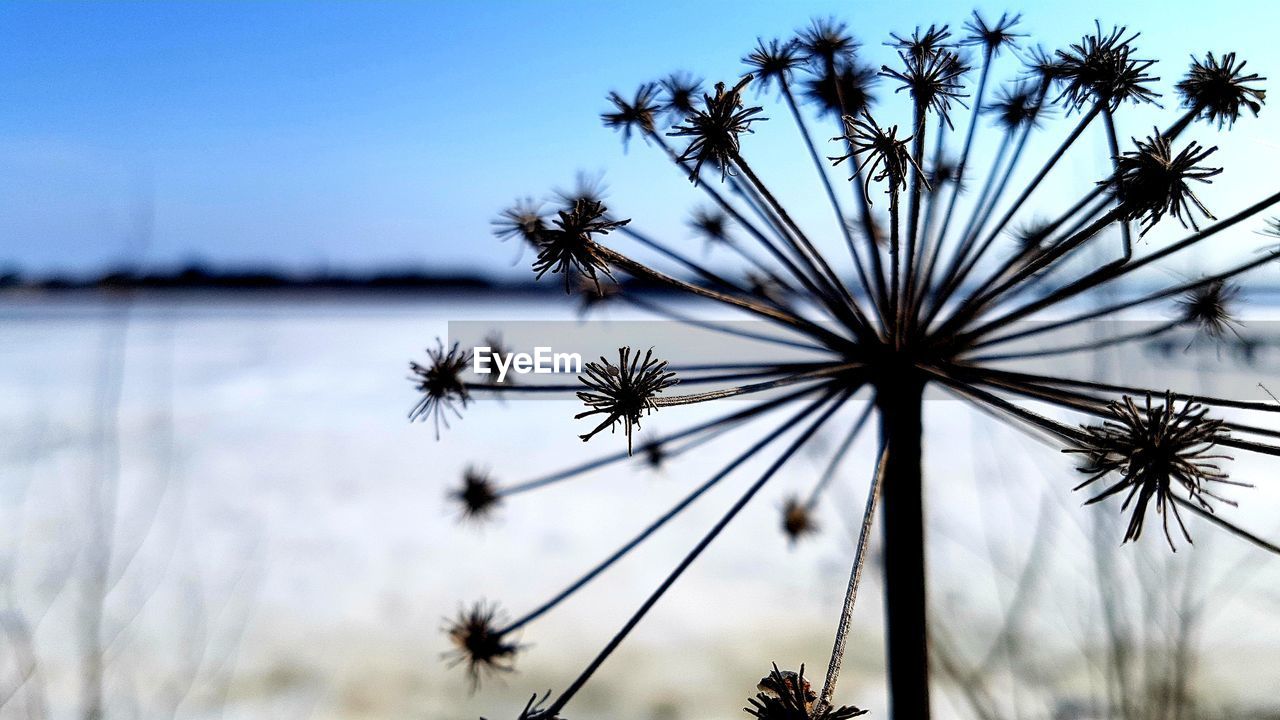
(897, 315)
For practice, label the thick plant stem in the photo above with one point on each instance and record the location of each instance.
(899, 398)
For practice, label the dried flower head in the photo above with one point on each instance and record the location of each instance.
(480, 642)
(921, 44)
(992, 37)
(568, 247)
(441, 385)
(933, 79)
(680, 95)
(1016, 106)
(1156, 451)
(623, 392)
(654, 452)
(1153, 181)
(826, 41)
(635, 114)
(712, 224)
(523, 220)
(1219, 89)
(842, 89)
(788, 696)
(1043, 67)
(587, 187)
(1209, 308)
(478, 495)
(774, 62)
(715, 129)
(887, 157)
(1101, 69)
(797, 519)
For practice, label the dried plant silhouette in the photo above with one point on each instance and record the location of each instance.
(913, 289)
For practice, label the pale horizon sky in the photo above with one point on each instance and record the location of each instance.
(388, 134)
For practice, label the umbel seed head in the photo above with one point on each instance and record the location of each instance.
(786, 695)
(715, 128)
(1209, 308)
(568, 248)
(480, 643)
(1152, 181)
(441, 385)
(623, 392)
(478, 495)
(1101, 69)
(635, 114)
(1157, 451)
(1220, 89)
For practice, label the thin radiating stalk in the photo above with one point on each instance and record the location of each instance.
(812, 501)
(851, 592)
(559, 703)
(826, 184)
(730, 419)
(666, 517)
(964, 153)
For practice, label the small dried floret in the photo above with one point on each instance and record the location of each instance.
(1219, 89)
(478, 495)
(944, 170)
(842, 89)
(523, 220)
(623, 392)
(680, 94)
(1152, 181)
(568, 248)
(441, 384)
(826, 41)
(480, 642)
(921, 44)
(1017, 106)
(788, 696)
(992, 37)
(1157, 451)
(655, 453)
(887, 157)
(712, 224)
(1031, 235)
(933, 79)
(1208, 308)
(1101, 69)
(587, 186)
(1043, 67)
(774, 61)
(715, 129)
(797, 519)
(634, 114)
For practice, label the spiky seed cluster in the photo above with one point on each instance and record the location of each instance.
(1219, 89)
(568, 248)
(786, 695)
(523, 220)
(921, 44)
(478, 495)
(826, 42)
(1017, 106)
(933, 79)
(638, 113)
(1101, 69)
(887, 157)
(774, 62)
(680, 95)
(441, 385)
(1156, 450)
(715, 129)
(797, 519)
(480, 643)
(843, 89)
(712, 224)
(992, 37)
(623, 392)
(1152, 181)
(1209, 308)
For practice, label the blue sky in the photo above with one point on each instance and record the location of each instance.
(377, 133)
